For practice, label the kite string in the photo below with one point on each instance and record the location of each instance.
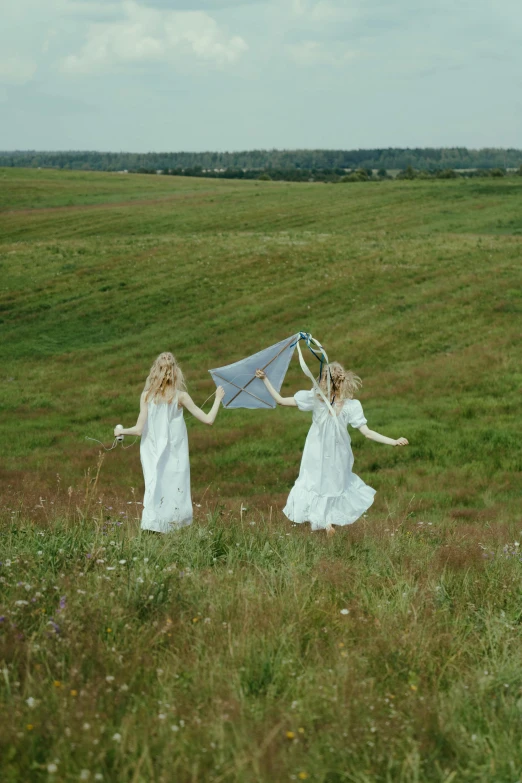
(114, 443)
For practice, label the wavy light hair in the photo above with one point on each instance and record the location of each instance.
(343, 383)
(165, 379)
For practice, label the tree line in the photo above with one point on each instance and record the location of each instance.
(298, 165)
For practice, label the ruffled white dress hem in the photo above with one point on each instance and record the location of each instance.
(304, 505)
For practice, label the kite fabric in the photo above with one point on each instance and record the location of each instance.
(242, 388)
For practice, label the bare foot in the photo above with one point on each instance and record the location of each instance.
(330, 531)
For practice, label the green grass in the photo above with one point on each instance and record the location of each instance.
(191, 657)
(413, 285)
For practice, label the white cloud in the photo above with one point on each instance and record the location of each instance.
(149, 35)
(16, 70)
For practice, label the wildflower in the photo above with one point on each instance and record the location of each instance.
(29, 727)
(109, 630)
(74, 692)
(294, 705)
(124, 687)
(413, 687)
(31, 703)
(290, 735)
(145, 559)
(63, 601)
(122, 562)
(206, 620)
(39, 553)
(175, 728)
(57, 684)
(85, 774)
(195, 619)
(52, 768)
(21, 603)
(301, 730)
(109, 678)
(98, 776)
(302, 775)
(345, 611)
(86, 726)
(116, 737)
(162, 716)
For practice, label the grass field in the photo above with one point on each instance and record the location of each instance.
(231, 632)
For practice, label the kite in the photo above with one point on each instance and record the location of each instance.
(244, 390)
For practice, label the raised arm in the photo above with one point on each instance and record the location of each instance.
(371, 435)
(138, 427)
(287, 401)
(206, 418)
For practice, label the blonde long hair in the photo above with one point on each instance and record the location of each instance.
(165, 379)
(343, 383)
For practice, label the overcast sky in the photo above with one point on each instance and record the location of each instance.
(169, 75)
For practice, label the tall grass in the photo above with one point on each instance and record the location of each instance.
(246, 649)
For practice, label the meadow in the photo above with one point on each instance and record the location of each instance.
(245, 648)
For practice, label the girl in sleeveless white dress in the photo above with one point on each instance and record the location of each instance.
(327, 492)
(164, 451)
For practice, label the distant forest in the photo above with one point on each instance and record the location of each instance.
(276, 164)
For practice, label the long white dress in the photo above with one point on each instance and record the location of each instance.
(164, 453)
(326, 491)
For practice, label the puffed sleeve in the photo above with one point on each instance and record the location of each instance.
(305, 400)
(356, 416)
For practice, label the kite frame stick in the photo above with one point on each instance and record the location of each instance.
(231, 383)
(243, 388)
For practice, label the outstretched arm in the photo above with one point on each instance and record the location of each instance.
(206, 418)
(142, 418)
(287, 401)
(371, 435)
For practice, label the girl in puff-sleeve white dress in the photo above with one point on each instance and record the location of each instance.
(327, 492)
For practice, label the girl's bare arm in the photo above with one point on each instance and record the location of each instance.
(286, 401)
(206, 418)
(138, 427)
(371, 435)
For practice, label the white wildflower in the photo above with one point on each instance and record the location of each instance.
(85, 774)
(52, 768)
(345, 611)
(122, 562)
(31, 703)
(116, 737)
(109, 678)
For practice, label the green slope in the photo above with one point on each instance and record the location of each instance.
(414, 285)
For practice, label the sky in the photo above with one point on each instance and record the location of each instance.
(193, 75)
